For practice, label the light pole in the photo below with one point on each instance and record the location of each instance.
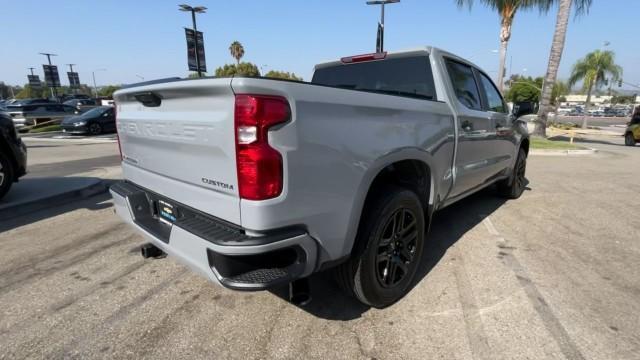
(382, 3)
(54, 91)
(95, 87)
(194, 10)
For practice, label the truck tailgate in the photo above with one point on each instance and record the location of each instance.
(177, 139)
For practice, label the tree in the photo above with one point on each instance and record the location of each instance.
(282, 75)
(107, 91)
(557, 47)
(8, 91)
(27, 92)
(560, 90)
(242, 69)
(524, 89)
(507, 10)
(592, 70)
(622, 99)
(194, 75)
(237, 51)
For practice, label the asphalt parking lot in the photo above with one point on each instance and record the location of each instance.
(553, 275)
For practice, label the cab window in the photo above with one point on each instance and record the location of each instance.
(464, 84)
(494, 100)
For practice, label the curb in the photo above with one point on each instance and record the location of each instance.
(70, 140)
(17, 210)
(39, 133)
(553, 152)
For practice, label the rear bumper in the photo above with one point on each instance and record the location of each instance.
(216, 249)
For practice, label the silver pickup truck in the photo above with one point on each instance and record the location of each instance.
(256, 182)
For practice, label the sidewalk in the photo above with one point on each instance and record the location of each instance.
(37, 193)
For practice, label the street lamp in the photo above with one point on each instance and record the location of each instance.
(194, 10)
(95, 87)
(382, 3)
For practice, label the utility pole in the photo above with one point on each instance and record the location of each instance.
(31, 70)
(95, 87)
(380, 37)
(194, 10)
(54, 90)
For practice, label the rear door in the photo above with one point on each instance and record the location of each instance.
(503, 141)
(178, 140)
(475, 129)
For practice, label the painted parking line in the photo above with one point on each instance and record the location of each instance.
(551, 322)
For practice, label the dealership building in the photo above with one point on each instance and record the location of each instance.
(596, 100)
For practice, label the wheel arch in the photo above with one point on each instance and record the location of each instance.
(524, 144)
(410, 169)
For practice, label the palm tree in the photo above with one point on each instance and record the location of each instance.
(507, 10)
(557, 47)
(593, 70)
(237, 51)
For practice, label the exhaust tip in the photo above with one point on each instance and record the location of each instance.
(149, 250)
(299, 293)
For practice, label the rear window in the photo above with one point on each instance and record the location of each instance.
(410, 76)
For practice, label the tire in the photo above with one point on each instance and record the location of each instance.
(383, 272)
(6, 175)
(629, 140)
(515, 188)
(95, 129)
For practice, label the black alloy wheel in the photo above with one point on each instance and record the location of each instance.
(396, 247)
(388, 248)
(95, 129)
(518, 183)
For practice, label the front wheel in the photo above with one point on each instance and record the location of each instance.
(6, 175)
(515, 188)
(95, 129)
(393, 229)
(629, 140)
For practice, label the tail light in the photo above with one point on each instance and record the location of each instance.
(115, 115)
(259, 165)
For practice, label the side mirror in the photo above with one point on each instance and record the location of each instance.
(522, 109)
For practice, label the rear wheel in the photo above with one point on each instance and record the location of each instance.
(6, 174)
(514, 189)
(95, 129)
(393, 230)
(629, 140)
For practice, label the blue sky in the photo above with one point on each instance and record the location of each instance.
(146, 38)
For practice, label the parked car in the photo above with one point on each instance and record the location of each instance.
(13, 155)
(21, 102)
(257, 182)
(66, 97)
(34, 114)
(95, 121)
(82, 104)
(632, 133)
